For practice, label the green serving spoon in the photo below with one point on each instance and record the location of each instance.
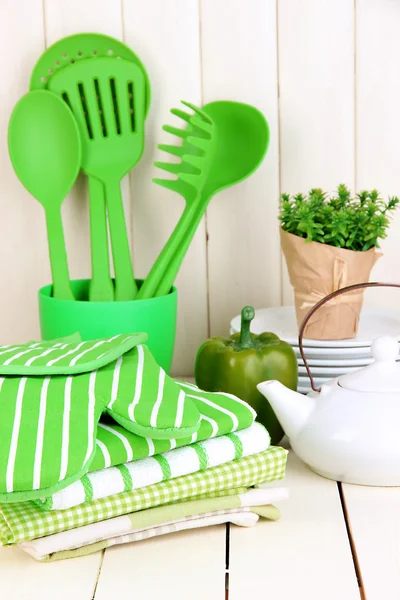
(45, 151)
(65, 53)
(107, 99)
(196, 155)
(242, 135)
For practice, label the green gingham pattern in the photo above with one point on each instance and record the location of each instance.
(169, 465)
(25, 521)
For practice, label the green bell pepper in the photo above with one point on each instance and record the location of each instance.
(238, 363)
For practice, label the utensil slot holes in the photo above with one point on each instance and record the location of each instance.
(82, 96)
(100, 106)
(131, 105)
(113, 90)
(65, 97)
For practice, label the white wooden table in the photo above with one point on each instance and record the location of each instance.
(333, 542)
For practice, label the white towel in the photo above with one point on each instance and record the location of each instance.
(148, 471)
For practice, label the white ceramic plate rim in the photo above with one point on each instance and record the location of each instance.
(304, 380)
(341, 353)
(324, 372)
(369, 327)
(328, 364)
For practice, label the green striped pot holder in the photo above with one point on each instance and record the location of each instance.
(52, 395)
(220, 413)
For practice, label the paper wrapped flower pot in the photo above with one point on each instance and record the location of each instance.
(316, 270)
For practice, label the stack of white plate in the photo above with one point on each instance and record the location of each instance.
(327, 358)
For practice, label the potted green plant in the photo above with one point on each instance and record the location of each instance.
(330, 242)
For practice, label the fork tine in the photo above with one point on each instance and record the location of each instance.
(174, 168)
(175, 150)
(182, 133)
(200, 143)
(181, 114)
(202, 125)
(198, 111)
(169, 184)
(189, 178)
(194, 161)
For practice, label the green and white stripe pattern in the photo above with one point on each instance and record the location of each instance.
(22, 521)
(171, 464)
(49, 420)
(146, 401)
(220, 414)
(64, 357)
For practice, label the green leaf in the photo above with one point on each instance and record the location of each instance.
(354, 222)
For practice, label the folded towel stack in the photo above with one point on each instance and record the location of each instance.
(150, 455)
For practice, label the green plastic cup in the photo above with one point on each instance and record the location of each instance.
(94, 320)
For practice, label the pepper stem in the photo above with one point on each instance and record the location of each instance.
(247, 316)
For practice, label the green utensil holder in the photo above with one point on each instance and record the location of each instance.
(93, 320)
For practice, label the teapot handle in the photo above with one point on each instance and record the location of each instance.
(349, 288)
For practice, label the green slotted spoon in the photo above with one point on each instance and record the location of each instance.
(107, 99)
(45, 151)
(196, 155)
(242, 136)
(63, 54)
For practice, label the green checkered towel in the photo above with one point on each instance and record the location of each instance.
(23, 521)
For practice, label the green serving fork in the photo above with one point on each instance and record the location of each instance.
(242, 139)
(45, 151)
(196, 155)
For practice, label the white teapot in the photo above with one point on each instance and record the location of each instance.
(349, 430)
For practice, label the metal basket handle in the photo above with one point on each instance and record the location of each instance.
(349, 288)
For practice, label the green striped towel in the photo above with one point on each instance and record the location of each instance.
(171, 464)
(49, 420)
(23, 521)
(52, 395)
(220, 413)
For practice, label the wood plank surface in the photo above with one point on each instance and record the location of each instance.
(374, 521)
(378, 125)
(188, 564)
(305, 555)
(166, 37)
(23, 578)
(23, 248)
(316, 103)
(239, 62)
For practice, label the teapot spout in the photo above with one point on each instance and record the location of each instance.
(291, 408)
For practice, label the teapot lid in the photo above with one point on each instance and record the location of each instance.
(381, 376)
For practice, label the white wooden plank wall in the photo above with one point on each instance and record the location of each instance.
(316, 82)
(324, 73)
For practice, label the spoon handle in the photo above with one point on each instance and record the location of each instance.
(101, 286)
(125, 285)
(177, 237)
(58, 255)
(175, 263)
